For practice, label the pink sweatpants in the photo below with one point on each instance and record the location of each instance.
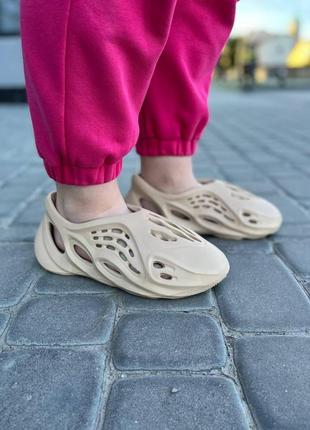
(105, 75)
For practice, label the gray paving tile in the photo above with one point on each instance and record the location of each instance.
(168, 341)
(296, 254)
(51, 283)
(292, 213)
(293, 231)
(297, 187)
(50, 389)
(174, 402)
(263, 188)
(32, 214)
(3, 321)
(16, 264)
(200, 301)
(242, 246)
(275, 375)
(260, 294)
(63, 320)
(18, 234)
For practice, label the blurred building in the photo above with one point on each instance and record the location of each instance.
(260, 56)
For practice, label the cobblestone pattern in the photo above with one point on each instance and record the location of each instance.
(75, 354)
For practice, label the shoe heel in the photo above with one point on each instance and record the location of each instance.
(62, 266)
(132, 199)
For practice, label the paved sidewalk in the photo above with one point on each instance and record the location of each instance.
(78, 355)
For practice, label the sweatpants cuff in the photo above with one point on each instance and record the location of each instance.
(156, 147)
(73, 175)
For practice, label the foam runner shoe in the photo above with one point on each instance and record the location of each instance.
(140, 252)
(215, 207)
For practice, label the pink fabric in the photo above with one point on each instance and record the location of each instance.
(102, 76)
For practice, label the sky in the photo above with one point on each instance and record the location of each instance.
(272, 15)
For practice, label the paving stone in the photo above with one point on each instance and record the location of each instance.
(174, 402)
(293, 230)
(199, 301)
(50, 389)
(241, 246)
(292, 213)
(58, 284)
(296, 254)
(3, 321)
(260, 187)
(32, 214)
(16, 264)
(297, 187)
(18, 234)
(168, 341)
(275, 376)
(63, 320)
(7, 209)
(307, 287)
(260, 294)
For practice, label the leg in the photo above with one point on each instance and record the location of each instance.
(88, 65)
(175, 110)
(86, 81)
(173, 116)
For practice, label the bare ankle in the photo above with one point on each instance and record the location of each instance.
(83, 203)
(168, 174)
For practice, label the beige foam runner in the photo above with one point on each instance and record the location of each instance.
(140, 252)
(215, 207)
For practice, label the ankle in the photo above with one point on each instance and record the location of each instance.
(83, 203)
(168, 174)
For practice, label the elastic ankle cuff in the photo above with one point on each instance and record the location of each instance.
(74, 175)
(149, 147)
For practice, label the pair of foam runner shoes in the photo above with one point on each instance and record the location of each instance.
(158, 255)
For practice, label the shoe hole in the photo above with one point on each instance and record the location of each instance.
(98, 245)
(213, 221)
(157, 221)
(213, 202)
(80, 250)
(52, 233)
(93, 232)
(112, 268)
(117, 230)
(163, 236)
(111, 247)
(183, 235)
(246, 214)
(151, 206)
(107, 238)
(201, 201)
(131, 253)
(180, 214)
(253, 221)
(229, 218)
(95, 237)
(166, 276)
(104, 230)
(123, 256)
(196, 207)
(127, 236)
(121, 242)
(158, 265)
(217, 210)
(206, 206)
(133, 269)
